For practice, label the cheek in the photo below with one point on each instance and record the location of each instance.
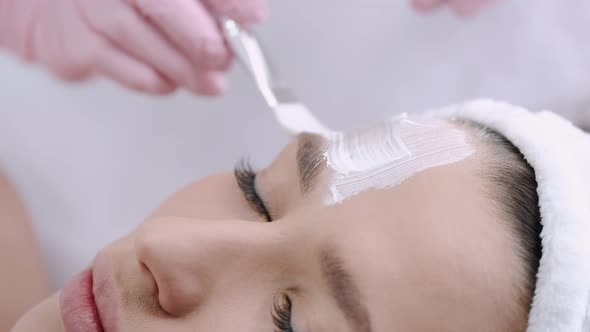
(238, 308)
(225, 314)
(213, 197)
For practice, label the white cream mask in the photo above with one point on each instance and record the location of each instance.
(389, 153)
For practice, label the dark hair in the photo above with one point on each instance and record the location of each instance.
(509, 181)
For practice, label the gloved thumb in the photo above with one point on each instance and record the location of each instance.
(245, 12)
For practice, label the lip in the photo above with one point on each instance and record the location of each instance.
(78, 308)
(89, 302)
(106, 292)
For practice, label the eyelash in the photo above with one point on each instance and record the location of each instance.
(281, 313)
(246, 179)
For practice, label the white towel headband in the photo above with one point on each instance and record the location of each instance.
(560, 155)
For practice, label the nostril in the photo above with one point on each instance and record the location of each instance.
(168, 295)
(147, 295)
(180, 297)
(163, 253)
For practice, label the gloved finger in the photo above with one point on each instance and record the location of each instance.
(210, 83)
(468, 7)
(66, 50)
(427, 5)
(136, 37)
(244, 12)
(129, 72)
(65, 62)
(188, 24)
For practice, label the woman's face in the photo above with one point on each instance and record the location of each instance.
(425, 255)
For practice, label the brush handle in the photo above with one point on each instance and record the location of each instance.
(250, 54)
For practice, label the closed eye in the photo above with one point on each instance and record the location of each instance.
(246, 179)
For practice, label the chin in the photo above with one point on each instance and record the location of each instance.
(45, 316)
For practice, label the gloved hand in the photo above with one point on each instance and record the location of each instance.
(460, 7)
(153, 46)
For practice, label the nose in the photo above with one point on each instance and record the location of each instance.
(187, 257)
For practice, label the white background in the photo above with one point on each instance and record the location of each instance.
(92, 160)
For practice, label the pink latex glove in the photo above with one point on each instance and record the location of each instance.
(460, 7)
(153, 46)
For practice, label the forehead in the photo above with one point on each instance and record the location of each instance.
(428, 247)
(390, 152)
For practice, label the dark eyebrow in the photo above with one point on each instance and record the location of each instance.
(310, 160)
(344, 291)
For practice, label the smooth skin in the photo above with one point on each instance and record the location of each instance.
(427, 255)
